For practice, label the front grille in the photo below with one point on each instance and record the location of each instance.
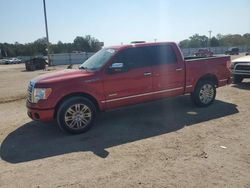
(30, 91)
(243, 67)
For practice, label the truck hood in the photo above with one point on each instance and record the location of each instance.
(61, 76)
(244, 59)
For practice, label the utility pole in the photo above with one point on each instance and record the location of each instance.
(209, 43)
(47, 33)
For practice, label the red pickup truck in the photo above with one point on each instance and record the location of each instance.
(123, 75)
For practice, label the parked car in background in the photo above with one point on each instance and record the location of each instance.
(2, 61)
(203, 53)
(11, 61)
(240, 69)
(14, 61)
(5, 61)
(35, 64)
(123, 75)
(232, 51)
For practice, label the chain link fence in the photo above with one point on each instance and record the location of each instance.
(215, 50)
(69, 58)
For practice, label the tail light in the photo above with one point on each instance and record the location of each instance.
(228, 64)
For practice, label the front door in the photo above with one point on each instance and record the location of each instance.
(131, 83)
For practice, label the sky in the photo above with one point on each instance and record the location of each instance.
(121, 21)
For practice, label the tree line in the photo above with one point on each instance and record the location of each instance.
(91, 44)
(40, 47)
(202, 41)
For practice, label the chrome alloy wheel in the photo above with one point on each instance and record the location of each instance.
(206, 94)
(78, 116)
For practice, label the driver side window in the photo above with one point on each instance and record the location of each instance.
(133, 57)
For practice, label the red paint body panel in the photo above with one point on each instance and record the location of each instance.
(135, 86)
(217, 66)
(44, 115)
(124, 84)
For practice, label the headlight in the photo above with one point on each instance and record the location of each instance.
(41, 93)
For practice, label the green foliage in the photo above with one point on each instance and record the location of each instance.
(39, 47)
(214, 42)
(197, 41)
(184, 43)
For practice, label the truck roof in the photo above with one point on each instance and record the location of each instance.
(140, 44)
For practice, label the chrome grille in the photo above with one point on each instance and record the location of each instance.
(243, 67)
(30, 91)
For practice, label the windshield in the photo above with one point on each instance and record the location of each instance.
(98, 60)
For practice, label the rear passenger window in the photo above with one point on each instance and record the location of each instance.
(133, 57)
(163, 54)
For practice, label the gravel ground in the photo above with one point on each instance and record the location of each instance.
(168, 143)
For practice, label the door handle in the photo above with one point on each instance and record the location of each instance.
(147, 74)
(179, 69)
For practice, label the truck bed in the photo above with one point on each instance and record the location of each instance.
(197, 67)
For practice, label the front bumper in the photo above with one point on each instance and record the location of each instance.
(241, 72)
(41, 115)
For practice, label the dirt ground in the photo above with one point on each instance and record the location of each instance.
(167, 143)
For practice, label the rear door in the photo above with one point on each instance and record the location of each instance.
(130, 85)
(168, 72)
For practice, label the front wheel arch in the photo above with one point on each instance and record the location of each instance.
(85, 95)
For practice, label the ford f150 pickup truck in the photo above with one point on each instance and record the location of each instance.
(123, 75)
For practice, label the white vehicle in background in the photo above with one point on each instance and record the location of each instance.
(16, 60)
(12, 61)
(2, 61)
(240, 69)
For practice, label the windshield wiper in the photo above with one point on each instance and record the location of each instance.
(82, 67)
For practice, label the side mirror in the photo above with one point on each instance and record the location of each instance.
(117, 65)
(116, 68)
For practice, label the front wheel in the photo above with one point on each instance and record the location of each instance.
(204, 93)
(76, 115)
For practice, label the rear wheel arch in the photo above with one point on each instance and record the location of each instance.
(205, 90)
(208, 77)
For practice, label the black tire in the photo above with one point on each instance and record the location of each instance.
(204, 93)
(237, 79)
(81, 122)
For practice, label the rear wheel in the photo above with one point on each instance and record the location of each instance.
(204, 93)
(76, 115)
(237, 79)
